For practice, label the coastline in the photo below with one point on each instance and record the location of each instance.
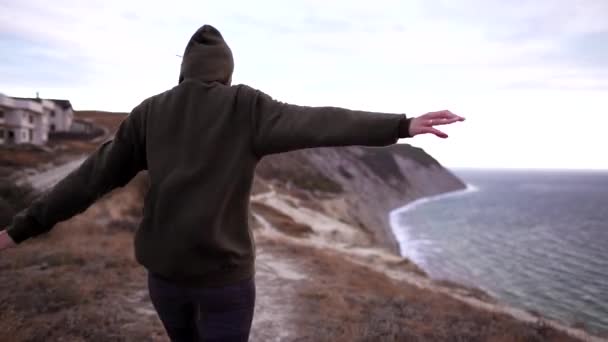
(409, 248)
(413, 250)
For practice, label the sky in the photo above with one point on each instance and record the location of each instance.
(531, 77)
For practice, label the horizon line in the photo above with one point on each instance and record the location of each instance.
(528, 168)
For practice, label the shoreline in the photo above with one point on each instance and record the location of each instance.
(413, 249)
(409, 248)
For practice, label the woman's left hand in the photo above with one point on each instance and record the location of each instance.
(424, 123)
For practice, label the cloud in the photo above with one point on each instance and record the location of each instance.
(588, 50)
(112, 39)
(388, 55)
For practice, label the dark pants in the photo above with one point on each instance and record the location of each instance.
(204, 314)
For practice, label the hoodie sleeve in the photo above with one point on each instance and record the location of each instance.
(281, 127)
(112, 165)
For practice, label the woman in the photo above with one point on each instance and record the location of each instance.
(200, 143)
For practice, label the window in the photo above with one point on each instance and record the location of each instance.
(1, 114)
(31, 118)
(52, 113)
(52, 127)
(31, 135)
(1, 133)
(24, 135)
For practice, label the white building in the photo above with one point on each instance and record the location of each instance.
(25, 120)
(61, 115)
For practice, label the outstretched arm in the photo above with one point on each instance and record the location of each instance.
(112, 165)
(281, 127)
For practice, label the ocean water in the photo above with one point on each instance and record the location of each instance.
(537, 240)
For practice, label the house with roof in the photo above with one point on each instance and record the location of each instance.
(31, 120)
(61, 115)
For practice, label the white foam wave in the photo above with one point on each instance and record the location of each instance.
(412, 248)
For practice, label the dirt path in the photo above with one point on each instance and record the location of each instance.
(277, 281)
(45, 180)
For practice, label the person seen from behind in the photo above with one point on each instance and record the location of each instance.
(200, 142)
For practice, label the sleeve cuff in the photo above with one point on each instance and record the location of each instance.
(22, 228)
(404, 127)
(15, 235)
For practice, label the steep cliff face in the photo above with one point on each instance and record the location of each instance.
(360, 185)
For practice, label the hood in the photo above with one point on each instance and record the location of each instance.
(207, 57)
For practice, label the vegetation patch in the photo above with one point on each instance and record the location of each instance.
(282, 222)
(383, 164)
(294, 169)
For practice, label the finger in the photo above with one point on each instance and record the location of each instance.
(435, 131)
(438, 122)
(443, 114)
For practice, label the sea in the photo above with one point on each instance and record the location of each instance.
(535, 239)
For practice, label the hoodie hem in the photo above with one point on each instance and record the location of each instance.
(225, 278)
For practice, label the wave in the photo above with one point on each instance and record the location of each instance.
(469, 189)
(409, 247)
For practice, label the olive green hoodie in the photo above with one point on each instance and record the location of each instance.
(200, 143)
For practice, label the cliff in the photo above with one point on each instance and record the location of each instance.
(364, 183)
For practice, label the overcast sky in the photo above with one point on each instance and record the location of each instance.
(530, 76)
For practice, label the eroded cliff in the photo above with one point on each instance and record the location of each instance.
(363, 184)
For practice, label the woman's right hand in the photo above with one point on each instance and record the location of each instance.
(5, 240)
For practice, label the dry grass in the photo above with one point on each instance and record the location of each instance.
(294, 169)
(80, 282)
(110, 120)
(281, 221)
(347, 302)
(468, 290)
(25, 157)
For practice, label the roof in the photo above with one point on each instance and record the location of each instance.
(64, 104)
(13, 103)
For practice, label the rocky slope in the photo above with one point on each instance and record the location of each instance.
(366, 183)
